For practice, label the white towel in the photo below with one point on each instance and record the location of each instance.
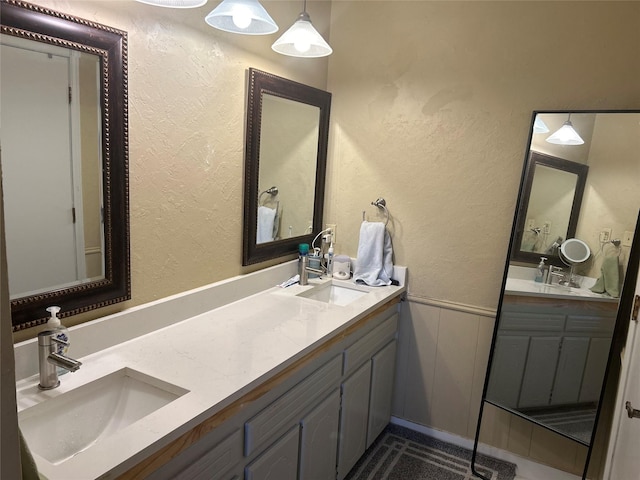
(266, 218)
(374, 265)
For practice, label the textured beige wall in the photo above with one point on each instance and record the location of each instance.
(431, 108)
(187, 95)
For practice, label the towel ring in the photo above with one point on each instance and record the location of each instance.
(382, 204)
(273, 191)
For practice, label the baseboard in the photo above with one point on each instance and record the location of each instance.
(527, 469)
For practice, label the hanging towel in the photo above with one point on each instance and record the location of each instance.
(266, 221)
(374, 265)
(609, 280)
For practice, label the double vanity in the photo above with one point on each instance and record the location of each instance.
(239, 379)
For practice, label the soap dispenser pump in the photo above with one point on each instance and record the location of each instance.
(540, 271)
(61, 333)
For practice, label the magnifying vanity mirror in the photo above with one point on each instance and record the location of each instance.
(285, 164)
(551, 347)
(64, 162)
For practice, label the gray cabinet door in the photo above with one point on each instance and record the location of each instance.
(539, 373)
(319, 440)
(594, 369)
(383, 366)
(354, 417)
(507, 369)
(278, 462)
(573, 357)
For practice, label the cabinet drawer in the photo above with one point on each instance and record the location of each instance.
(532, 322)
(590, 324)
(290, 407)
(368, 345)
(216, 462)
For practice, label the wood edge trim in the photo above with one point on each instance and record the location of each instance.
(184, 441)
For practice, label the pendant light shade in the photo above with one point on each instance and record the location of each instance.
(242, 16)
(539, 126)
(302, 39)
(566, 135)
(174, 3)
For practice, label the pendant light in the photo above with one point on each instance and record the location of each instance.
(539, 126)
(566, 135)
(302, 39)
(174, 3)
(242, 16)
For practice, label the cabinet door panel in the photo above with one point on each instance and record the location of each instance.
(354, 417)
(539, 372)
(319, 440)
(510, 357)
(566, 388)
(383, 365)
(594, 369)
(278, 462)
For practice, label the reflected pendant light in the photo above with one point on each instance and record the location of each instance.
(302, 39)
(566, 135)
(539, 126)
(242, 16)
(174, 3)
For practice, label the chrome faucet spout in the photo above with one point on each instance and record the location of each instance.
(49, 360)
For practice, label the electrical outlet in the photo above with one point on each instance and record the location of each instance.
(605, 235)
(546, 227)
(627, 239)
(332, 226)
(531, 224)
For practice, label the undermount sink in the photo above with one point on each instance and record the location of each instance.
(334, 294)
(63, 426)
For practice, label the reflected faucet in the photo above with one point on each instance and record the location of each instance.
(49, 360)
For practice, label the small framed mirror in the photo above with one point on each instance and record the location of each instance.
(285, 164)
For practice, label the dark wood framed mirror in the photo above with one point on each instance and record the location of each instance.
(287, 134)
(549, 206)
(94, 216)
(554, 346)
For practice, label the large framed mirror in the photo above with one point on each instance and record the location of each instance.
(64, 162)
(552, 341)
(285, 164)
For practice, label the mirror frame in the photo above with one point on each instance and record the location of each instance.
(536, 158)
(260, 83)
(33, 22)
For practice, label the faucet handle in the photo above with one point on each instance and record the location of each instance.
(59, 341)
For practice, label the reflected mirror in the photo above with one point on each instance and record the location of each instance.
(285, 164)
(64, 162)
(552, 339)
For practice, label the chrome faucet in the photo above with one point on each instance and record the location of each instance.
(554, 272)
(49, 360)
(304, 269)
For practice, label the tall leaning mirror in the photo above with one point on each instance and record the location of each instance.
(572, 237)
(285, 163)
(64, 162)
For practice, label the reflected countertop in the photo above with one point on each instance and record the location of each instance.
(520, 282)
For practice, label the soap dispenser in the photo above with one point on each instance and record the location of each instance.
(61, 333)
(540, 271)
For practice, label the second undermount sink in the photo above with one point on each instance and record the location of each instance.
(334, 294)
(61, 427)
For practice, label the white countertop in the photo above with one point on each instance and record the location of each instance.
(217, 356)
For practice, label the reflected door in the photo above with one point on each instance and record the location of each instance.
(35, 118)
